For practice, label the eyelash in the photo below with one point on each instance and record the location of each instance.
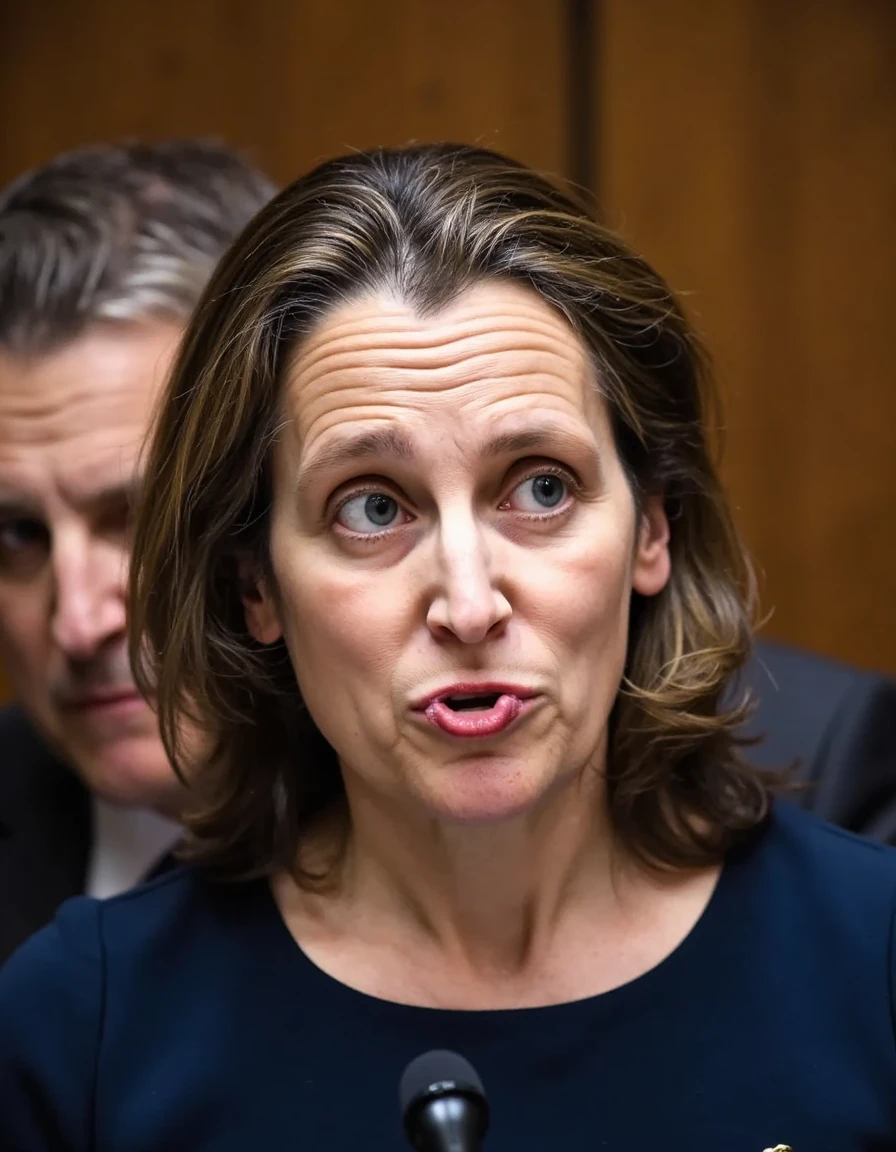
(367, 490)
(568, 477)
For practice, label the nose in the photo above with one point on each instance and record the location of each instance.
(89, 595)
(468, 602)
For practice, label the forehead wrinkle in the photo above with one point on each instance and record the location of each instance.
(54, 421)
(84, 453)
(360, 376)
(434, 356)
(392, 381)
(447, 339)
(99, 487)
(307, 421)
(37, 414)
(73, 461)
(429, 399)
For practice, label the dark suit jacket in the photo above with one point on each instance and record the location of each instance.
(45, 831)
(841, 723)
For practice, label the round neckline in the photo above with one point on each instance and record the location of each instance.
(291, 954)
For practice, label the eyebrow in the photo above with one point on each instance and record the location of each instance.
(17, 507)
(532, 440)
(375, 444)
(383, 443)
(545, 441)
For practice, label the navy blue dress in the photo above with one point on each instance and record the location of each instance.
(182, 1017)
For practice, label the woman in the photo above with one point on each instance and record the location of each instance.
(438, 594)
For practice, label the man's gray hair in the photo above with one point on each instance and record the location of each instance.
(119, 232)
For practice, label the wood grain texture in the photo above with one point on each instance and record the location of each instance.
(747, 147)
(294, 81)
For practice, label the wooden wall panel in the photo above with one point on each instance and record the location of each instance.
(293, 80)
(748, 147)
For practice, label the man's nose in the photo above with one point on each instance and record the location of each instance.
(468, 602)
(89, 596)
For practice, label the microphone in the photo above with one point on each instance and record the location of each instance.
(443, 1105)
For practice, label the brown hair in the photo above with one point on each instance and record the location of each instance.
(427, 222)
(117, 232)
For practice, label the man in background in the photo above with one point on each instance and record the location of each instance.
(104, 253)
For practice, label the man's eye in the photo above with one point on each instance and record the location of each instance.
(22, 542)
(17, 535)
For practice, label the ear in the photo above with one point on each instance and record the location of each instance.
(259, 606)
(652, 562)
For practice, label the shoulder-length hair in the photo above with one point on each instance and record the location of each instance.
(426, 223)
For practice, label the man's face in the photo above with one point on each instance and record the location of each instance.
(72, 426)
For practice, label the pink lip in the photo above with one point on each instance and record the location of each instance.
(102, 701)
(512, 701)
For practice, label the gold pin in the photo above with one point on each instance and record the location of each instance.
(779, 1148)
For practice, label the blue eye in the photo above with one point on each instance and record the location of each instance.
(540, 493)
(369, 513)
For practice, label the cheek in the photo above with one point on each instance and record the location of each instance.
(344, 630)
(578, 601)
(24, 632)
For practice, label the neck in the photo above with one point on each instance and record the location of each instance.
(492, 897)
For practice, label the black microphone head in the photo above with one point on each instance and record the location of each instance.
(438, 1073)
(443, 1103)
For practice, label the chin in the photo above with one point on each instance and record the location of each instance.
(134, 773)
(488, 791)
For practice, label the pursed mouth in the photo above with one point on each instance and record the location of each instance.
(473, 697)
(476, 710)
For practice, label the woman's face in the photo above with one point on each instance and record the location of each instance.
(454, 547)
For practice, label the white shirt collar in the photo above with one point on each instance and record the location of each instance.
(127, 842)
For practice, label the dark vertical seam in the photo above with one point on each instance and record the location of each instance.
(890, 973)
(582, 118)
(100, 1029)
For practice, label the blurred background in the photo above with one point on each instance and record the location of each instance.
(746, 147)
